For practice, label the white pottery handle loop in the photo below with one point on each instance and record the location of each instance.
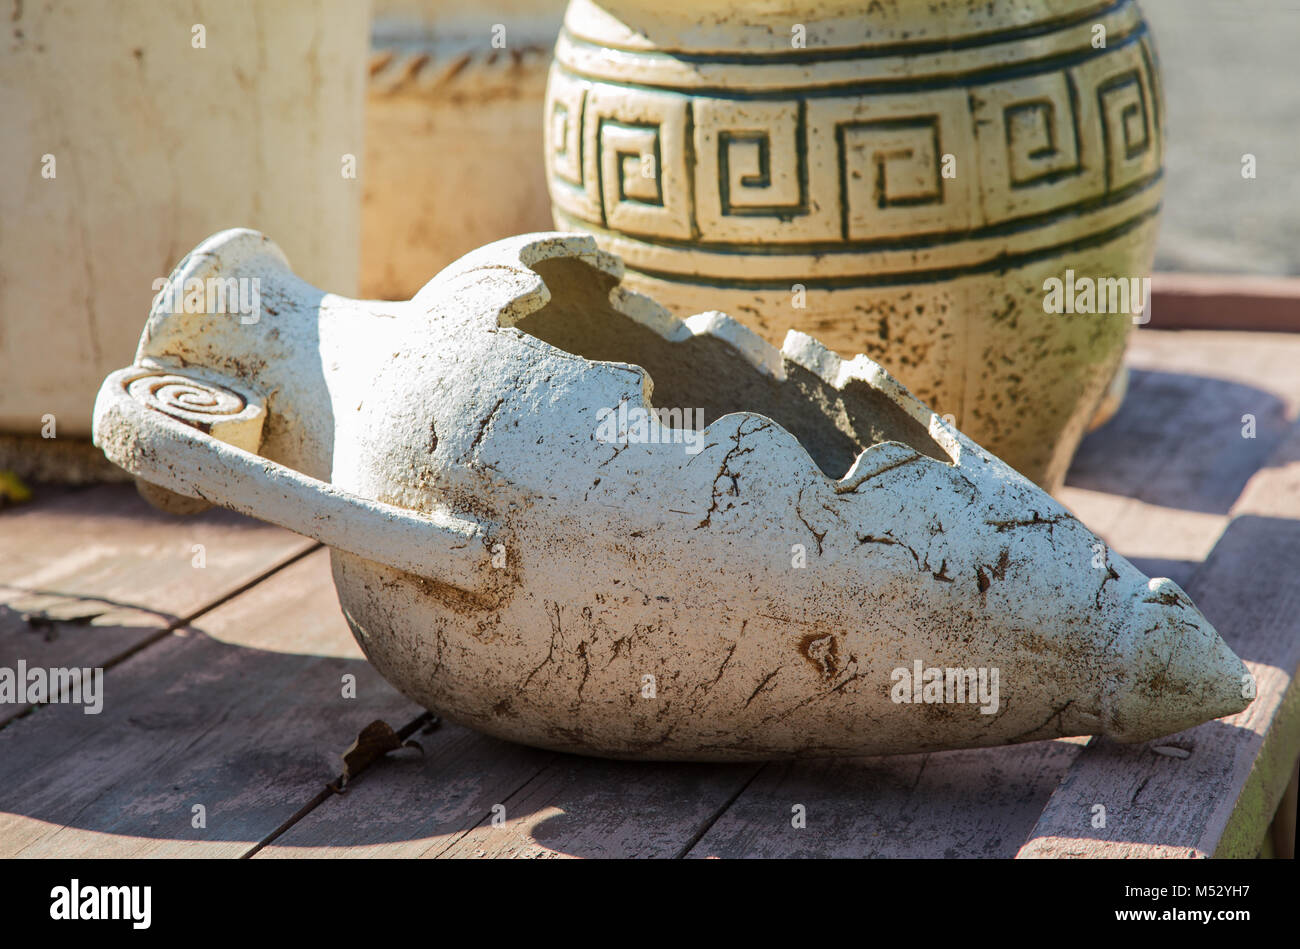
(199, 438)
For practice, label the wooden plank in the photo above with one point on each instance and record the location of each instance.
(563, 805)
(581, 807)
(415, 807)
(1225, 302)
(1283, 832)
(1217, 790)
(1157, 481)
(243, 713)
(1177, 441)
(946, 804)
(103, 573)
(1260, 360)
(1115, 464)
(544, 805)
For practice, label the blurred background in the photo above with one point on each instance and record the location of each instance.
(1232, 87)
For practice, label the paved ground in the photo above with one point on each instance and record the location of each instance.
(1232, 86)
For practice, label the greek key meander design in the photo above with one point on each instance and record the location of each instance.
(817, 170)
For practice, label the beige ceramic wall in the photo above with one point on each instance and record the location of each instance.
(156, 145)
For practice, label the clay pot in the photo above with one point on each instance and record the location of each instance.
(453, 134)
(899, 181)
(694, 547)
(131, 131)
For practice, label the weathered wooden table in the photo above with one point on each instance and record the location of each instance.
(227, 701)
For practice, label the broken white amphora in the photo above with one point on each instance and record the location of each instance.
(827, 568)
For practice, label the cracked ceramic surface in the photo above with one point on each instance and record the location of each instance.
(518, 546)
(897, 179)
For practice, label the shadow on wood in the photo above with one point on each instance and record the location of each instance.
(1183, 440)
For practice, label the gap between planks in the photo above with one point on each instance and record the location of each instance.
(244, 714)
(102, 572)
(172, 626)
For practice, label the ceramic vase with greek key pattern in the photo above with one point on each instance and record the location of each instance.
(900, 179)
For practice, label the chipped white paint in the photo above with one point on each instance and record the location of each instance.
(503, 566)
